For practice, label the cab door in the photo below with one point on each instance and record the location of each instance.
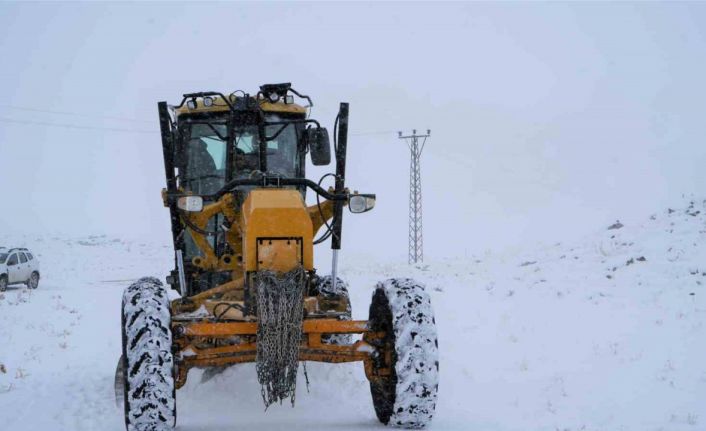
(14, 271)
(25, 270)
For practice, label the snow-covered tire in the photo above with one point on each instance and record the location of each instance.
(407, 397)
(3, 283)
(33, 281)
(150, 394)
(325, 287)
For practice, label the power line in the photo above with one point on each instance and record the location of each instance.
(119, 129)
(76, 114)
(389, 132)
(74, 126)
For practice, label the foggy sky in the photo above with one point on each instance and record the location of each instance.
(548, 120)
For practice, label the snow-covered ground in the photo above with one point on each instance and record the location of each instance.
(602, 334)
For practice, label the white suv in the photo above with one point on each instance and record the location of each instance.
(18, 265)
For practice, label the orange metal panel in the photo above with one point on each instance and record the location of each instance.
(280, 255)
(276, 213)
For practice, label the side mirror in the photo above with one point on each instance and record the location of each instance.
(361, 203)
(190, 203)
(319, 145)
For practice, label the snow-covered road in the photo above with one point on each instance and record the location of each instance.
(603, 334)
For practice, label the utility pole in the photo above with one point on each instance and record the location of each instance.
(416, 241)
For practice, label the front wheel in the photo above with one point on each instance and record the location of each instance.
(147, 362)
(3, 283)
(405, 394)
(33, 281)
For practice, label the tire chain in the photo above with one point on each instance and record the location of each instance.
(280, 305)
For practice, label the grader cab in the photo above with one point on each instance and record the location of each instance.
(244, 267)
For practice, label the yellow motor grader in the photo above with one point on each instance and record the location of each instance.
(244, 267)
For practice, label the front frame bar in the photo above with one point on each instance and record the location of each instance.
(229, 329)
(311, 349)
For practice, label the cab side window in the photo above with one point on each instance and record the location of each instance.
(23, 258)
(12, 260)
(29, 256)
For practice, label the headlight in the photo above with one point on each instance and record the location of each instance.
(190, 203)
(361, 203)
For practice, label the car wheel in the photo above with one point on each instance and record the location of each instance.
(3, 283)
(33, 281)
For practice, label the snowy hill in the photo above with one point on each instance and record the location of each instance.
(602, 334)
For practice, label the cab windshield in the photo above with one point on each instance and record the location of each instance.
(207, 154)
(3, 257)
(282, 154)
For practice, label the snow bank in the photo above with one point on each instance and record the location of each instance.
(601, 334)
